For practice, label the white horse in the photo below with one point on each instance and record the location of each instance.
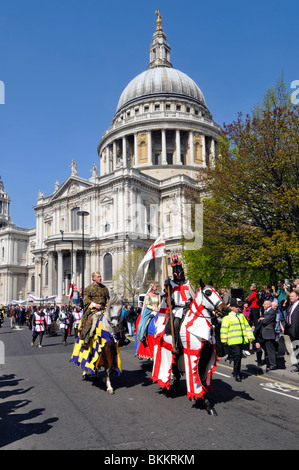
(198, 347)
(103, 347)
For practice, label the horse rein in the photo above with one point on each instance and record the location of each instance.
(215, 307)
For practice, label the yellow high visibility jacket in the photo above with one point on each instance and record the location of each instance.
(235, 329)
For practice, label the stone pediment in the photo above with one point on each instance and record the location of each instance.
(73, 185)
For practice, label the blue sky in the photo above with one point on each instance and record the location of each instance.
(64, 64)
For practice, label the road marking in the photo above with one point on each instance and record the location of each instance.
(280, 393)
(294, 387)
(224, 375)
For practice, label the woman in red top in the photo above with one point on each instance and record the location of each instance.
(254, 307)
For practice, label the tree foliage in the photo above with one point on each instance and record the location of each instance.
(251, 213)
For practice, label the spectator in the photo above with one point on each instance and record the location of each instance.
(292, 326)
(131, 319)
(267, 333)
(124, 319)
(254, 307)
(225, 296)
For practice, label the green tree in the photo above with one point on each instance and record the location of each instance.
(251, 213)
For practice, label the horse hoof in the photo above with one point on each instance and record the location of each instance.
(212, 412)
(110, 392)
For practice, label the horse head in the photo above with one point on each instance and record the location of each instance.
(211, 300)
(113, 311)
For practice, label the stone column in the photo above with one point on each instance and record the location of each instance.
(191, 145)
(114, 155)
(50, 273)
(164, 153)
(135, 150)
(149, 148)
(178, 147)
(124, 142)
(74, 273)
(59, 274)
(203, 140)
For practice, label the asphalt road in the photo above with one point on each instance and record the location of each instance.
(46, 406)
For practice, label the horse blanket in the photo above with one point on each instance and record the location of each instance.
(196, 331)
(91, 358)
(146, 350)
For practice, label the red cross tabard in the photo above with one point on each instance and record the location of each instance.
(181, 288)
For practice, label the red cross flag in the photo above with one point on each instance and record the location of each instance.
(71, 293)
(157, 250)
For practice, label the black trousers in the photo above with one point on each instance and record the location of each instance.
(35, 334)
(235, 353)
(270, 347)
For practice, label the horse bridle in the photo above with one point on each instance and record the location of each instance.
(207, 295)
(110, 319)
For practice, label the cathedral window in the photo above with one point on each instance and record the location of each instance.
(32, 283)
(169, 158)
(107, 267)
(75, 220)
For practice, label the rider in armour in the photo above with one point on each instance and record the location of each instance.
(181, 293)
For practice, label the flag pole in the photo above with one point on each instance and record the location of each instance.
(174, 351)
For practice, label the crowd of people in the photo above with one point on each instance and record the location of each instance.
(45, 320)
(269, 313)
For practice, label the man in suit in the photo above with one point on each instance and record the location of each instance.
(268, 322)
(292, 325)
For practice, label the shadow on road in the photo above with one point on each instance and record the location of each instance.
(12, 426)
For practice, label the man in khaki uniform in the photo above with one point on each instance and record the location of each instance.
(95, 299)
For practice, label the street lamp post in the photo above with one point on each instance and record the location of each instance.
(83, 214)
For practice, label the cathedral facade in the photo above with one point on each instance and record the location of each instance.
(162, 133)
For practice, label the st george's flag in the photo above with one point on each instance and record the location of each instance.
(71, 292)
(157, 250)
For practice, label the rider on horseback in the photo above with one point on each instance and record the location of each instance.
(182, 293)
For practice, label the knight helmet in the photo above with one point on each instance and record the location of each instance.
(177, 270)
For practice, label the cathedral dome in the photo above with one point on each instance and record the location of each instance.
(161, 81)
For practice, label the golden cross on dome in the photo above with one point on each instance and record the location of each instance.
(159, 20)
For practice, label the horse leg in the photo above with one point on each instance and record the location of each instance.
(106, 379)
(205, 356)
(176, 373)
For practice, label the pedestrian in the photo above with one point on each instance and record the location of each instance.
(49, 320)
(12, 317)
(131, 318)
(252, 300)
(77, 315)
(64, 323)
(267, 333)
(292, 326)
(124, 319)
(235, 332)
(38, 325)
(281, 296)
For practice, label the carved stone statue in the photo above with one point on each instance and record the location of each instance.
(74, 170)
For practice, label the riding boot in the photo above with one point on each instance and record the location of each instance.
(176, 328)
